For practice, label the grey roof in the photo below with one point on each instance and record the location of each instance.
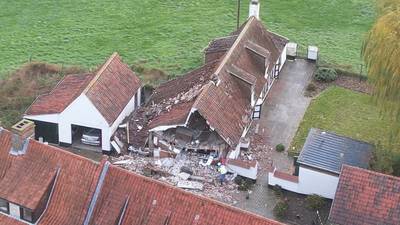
(328, 151)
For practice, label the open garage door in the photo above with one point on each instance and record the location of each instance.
(47, 131)
(86, 138)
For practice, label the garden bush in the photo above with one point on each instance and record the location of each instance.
(315, 202)
(311, 87)
(280, 148)
(278, 190)
(325, 74)
(280, 209)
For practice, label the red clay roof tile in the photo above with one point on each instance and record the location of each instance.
(66, 91)
(153, 202)
(133, 198)
(112, 88)
(74, 185)
(366, 197)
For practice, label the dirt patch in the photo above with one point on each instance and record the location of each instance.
(19, 90)
(150, 76)
(350, 82)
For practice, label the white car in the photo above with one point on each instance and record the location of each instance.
(91, 137)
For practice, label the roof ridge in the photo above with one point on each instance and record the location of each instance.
(235, 44)
(100, 71)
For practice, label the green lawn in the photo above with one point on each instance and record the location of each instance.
(347, 113)
(168, 34)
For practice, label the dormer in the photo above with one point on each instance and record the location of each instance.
(247, 79)
(260, 52)
(25, 191)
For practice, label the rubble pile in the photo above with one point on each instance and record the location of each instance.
(184, 171)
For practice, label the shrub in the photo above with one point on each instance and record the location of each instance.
(325, 74)
(280, 209)
(280, 148)
(277, 190)
(315, 202)
(311, 87)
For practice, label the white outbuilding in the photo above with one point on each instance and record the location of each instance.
(320, 163)
(97, 101)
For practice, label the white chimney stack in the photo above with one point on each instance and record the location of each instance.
(254, 9)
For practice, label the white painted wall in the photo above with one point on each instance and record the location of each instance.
(82, 112)
(51, 118)
(310, 182)
(315, 182)
(285, 184)
(249, 173)
(129, 108)
(283, 57)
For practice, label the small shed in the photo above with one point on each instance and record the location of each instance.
(321, 160)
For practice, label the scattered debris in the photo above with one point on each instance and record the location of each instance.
(184, 171)
(192, 185)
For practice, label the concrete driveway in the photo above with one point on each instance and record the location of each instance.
(281, 115)
(285, 107)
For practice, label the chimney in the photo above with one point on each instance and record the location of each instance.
(254, 9)
(24, 128)
(22, 131)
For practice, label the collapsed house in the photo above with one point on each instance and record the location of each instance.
(210, 109)
(47, 185)
(97, 102)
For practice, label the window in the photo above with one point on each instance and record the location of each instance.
(26, 214)
(4, 206)
(257, 112)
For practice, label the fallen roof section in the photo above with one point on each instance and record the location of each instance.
(365, 197)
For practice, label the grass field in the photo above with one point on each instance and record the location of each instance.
(169, 34)
(347, 113)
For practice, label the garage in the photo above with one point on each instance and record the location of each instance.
(47, 131)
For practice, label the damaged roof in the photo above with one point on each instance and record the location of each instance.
(109, 89)
(366, 197)
(85, 191)
(217, 87)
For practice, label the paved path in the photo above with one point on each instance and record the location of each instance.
(281, 115)
(284, 108)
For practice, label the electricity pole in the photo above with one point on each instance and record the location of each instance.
(238, 14)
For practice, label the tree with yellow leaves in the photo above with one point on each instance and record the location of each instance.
(381, 53)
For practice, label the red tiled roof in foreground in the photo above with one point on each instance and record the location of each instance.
(152, 202)
(112, 88)
(74, 185)
(123, 196)
(366, 197)
(66, 91)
